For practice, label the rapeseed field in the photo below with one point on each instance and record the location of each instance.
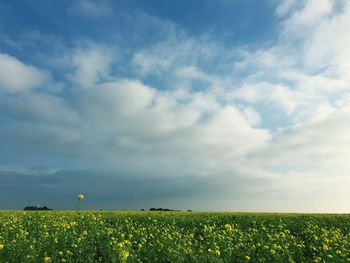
(138, 236)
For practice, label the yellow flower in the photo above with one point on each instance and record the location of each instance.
(228, 227)
(81, 196)
(317, 259)
(247, 258)
(47, 259)
(124, 255)
(217, 252)
(2, 246)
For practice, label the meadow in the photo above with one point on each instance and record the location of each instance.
(139, 236)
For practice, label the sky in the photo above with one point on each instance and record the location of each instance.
(225, 105)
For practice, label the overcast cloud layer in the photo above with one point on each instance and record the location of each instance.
(234, 108)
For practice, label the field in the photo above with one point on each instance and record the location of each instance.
(172, 237)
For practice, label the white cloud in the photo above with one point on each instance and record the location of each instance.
(127, 125)
(91, 65)
(149, 64)
(172, 130)
(16, 76)
(312, 13)
(305, 73)
(252, 116)
(320, 147)
(306, 67)
(173, 52)
(285, 7)
(192, 73)
(39, 107)
(275, 95)
(328, 47)
(158, 125)
(91, 8)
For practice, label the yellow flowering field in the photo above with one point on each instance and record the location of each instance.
(138, 236)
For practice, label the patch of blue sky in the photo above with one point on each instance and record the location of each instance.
(138, 24)
(233, 22)
(273, 117)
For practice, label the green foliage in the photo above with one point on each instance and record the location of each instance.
(172, 237)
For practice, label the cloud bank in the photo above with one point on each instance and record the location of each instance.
(184, 120)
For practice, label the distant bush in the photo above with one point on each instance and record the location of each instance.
(37, 208)
(161, 209)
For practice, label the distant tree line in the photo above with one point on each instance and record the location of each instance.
(162, 209)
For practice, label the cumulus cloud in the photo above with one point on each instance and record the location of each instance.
(310, 161)
(16, 76)
(123, 123)
(91, 64)
(309, 81)
(177, 120)
(307, 73)
(320, 146)
(328, 46)
(311, 13)
(137, 121)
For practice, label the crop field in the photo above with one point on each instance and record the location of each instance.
(98, 236)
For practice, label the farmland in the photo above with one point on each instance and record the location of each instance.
(135, 236)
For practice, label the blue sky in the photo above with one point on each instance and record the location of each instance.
(205, 105)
